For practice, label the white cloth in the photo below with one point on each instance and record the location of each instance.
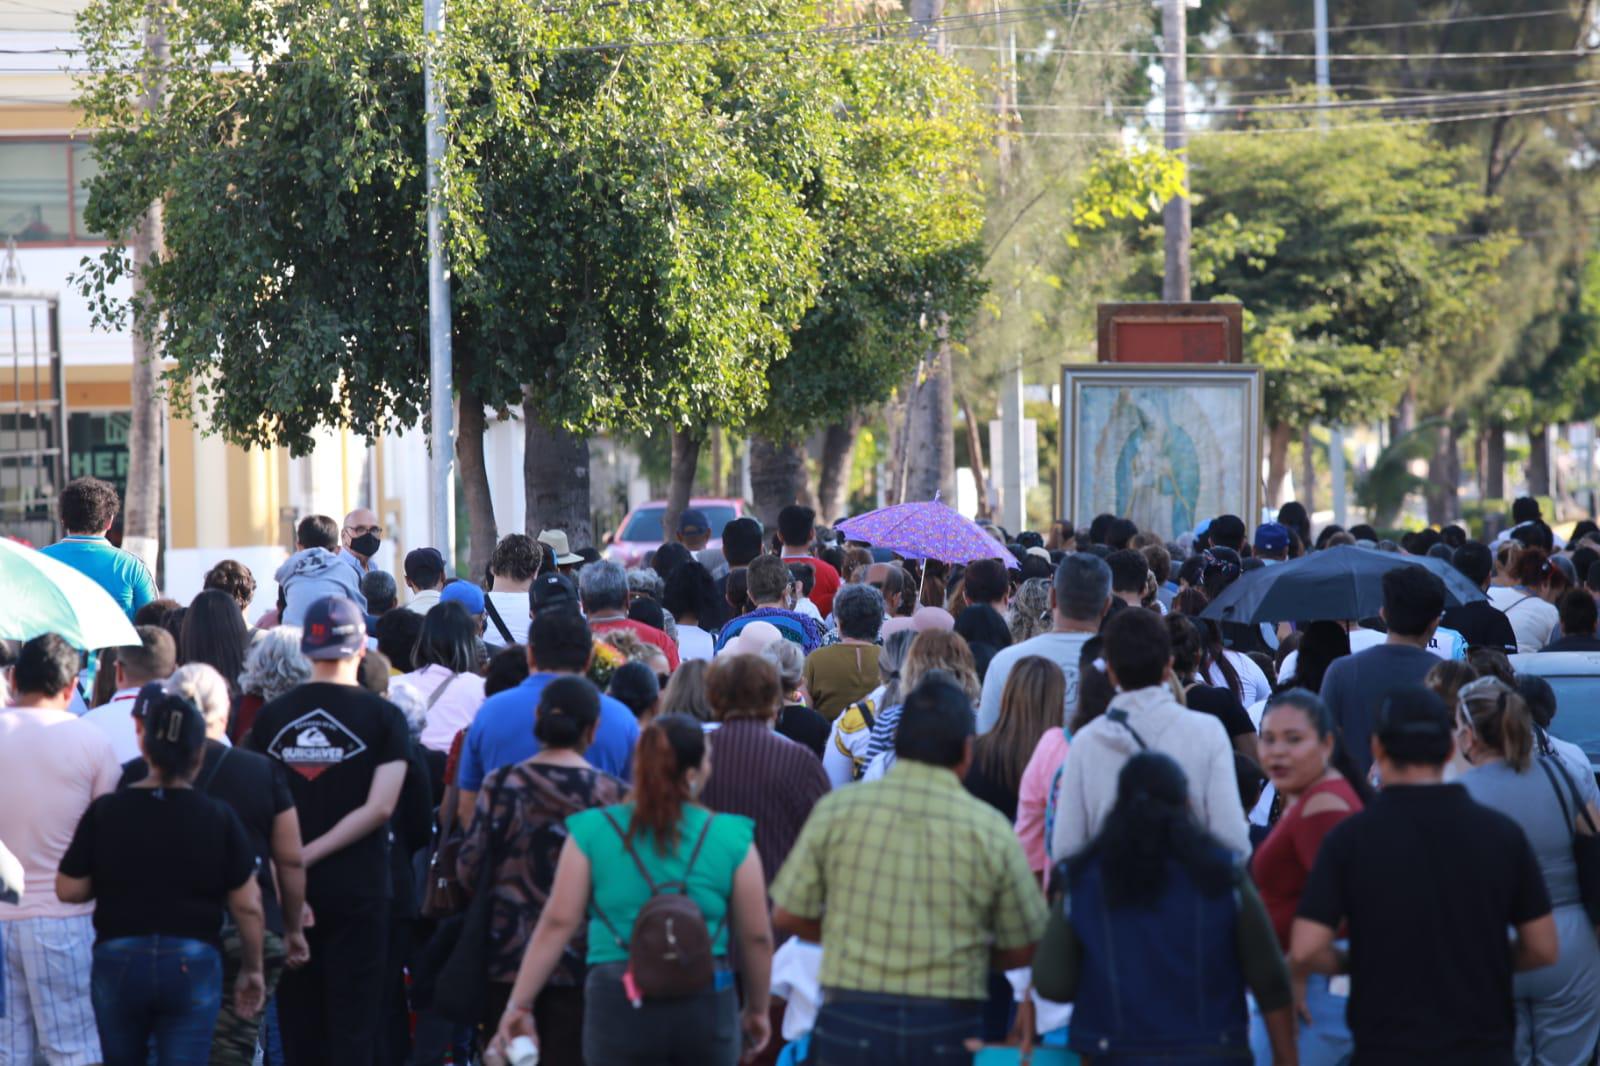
(46, 1009)
(1360, 640)
(694, 643)
(114, 718)
(1196, 742)
(797, 979)
(455, 708)
(1252, 681)
(1532, 619)
(847, 740)
(426, 600)
(1063, 649)
(514, 612)
(804, 606)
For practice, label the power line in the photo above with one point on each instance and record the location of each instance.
(1441, 23)
(1471, 97)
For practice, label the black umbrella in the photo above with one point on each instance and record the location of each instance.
(1340, 584)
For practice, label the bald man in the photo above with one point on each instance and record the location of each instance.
(359, 540)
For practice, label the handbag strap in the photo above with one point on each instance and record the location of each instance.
(1120, 716)
(649, 881)
(494, 616)
(1572, 791)
(439, 690)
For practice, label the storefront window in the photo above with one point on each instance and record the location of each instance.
(97, 446)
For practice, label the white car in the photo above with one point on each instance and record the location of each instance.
(1575, 677)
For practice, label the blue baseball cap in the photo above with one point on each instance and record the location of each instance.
(466, 594)
(1272, 537)
(334, 628)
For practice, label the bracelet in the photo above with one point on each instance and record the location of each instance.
(517, 1008)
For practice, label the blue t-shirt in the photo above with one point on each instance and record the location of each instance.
(502, 734)
(122, 574)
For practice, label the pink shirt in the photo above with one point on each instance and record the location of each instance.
(1034, 796)
(51, 766)
(452, 711)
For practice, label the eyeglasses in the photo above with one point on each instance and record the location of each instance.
(362, 531)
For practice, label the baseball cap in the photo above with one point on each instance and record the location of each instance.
(424, 566)
(334, 628)
(553, 590)
(693, 521)
(466, 594)
(1272, 537)
(1413, 711)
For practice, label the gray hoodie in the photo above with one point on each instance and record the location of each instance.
(314, 574)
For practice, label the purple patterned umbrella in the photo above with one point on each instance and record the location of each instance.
(930, 530)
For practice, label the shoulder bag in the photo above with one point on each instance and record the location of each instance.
(463, 982)
(442, 894)
(1585, 845)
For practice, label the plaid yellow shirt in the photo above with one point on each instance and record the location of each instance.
(915, 881)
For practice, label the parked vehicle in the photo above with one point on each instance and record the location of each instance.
(640, 532)
(1575, 677)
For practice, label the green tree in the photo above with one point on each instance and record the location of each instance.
(1343, 247)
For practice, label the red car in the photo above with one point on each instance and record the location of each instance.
(640, 532)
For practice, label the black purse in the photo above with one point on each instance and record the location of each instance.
(462, 986)
(1585, 847)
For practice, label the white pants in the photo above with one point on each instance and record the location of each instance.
(44, 992)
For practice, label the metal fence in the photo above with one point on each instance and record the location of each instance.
(33, 421)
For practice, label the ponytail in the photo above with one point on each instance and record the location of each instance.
(1501, 718)
(669, 748)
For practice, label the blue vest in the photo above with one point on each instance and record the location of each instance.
(1163, 981)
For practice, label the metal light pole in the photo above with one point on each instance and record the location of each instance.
(441, 441)
(1335, 431)
(1175, 216)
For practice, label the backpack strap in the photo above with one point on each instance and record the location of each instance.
(1120, 716)
(649, 881)
(499, 623)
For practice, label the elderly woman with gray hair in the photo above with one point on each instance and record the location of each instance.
(796, 720)
(255, 788)
(273, 667)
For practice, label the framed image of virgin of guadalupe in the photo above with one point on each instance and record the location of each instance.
(1166, 445)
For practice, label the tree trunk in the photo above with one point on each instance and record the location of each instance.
(1404, 418)
(1539, 461)
(141, 509)
(1444, 472)
(777, 476)
(838, 459)
(980, 469)
(482, 531)
(715, 438)
(1308, 471)
(931, 459)
(1277, 462)
(685, 460)
(555, 467)
(1494, 461)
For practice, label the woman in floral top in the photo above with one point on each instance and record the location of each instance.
(520, 823)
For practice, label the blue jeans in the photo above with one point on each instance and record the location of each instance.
(158, 990)
(894, 1031)
(1325, 1042)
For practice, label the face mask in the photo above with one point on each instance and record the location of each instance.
(366, 544)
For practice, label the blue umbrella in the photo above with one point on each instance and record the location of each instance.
(46, 596)
(1336, 584)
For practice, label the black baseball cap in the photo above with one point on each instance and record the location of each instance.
(554, 589)
(424, 566)
(334, 628)
(693, 521)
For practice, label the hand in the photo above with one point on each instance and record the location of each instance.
(1302, 1013)
(514, 1022)
(299, 951)
(307, 918)
(757, 1027)
(249, 993)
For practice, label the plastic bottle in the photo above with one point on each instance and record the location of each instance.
(524, 1052)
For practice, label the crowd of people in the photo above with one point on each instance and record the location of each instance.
(792, 799)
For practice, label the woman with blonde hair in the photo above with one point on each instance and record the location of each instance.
(933, 650)
(1556, 1020)
(1030, 610)
(686, 692)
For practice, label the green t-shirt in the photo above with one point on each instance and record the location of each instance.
(619, 892)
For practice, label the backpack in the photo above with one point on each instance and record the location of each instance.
(670, 949)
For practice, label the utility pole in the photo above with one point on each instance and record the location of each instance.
(141, 506)
(1175, 216)
(442, 438)
(1335, 431)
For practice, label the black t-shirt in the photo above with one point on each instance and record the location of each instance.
(803, 726)
(162, 861)
(1428, 880)
(1223, 705)
(1577, 642)
(331, 739)
(1482, 625)
(253, 786)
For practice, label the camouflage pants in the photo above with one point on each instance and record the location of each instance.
(234, 1042)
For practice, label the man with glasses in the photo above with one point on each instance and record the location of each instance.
(359, 540)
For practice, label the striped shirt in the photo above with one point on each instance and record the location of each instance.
(765, 777)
